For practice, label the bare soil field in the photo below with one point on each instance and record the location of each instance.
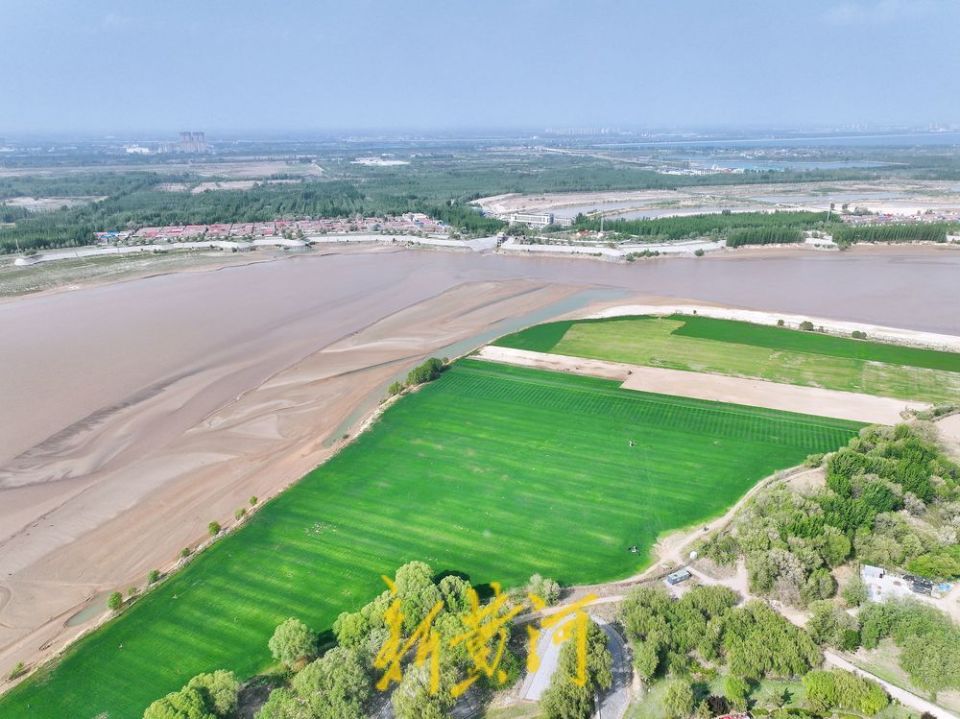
(717, 388)
(47, 204)
(882, 196)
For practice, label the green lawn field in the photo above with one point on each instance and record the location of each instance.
(490, 470)
(739, 348)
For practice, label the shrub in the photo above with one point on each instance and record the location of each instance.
(736, 690)
(813, 460)
(154, 576)
(426, 372)
(214, 528)
(185, 552)
(240, 514)
(18, 671)
(780, 323)
(115, 601)
(698, 252)
(547, 589)
(678, 699)
(253, 501)
(806, 326)
(395, 389)
(858, 335)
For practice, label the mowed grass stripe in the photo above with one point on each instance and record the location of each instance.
(495, 471)
(781, 338)
(703, 344)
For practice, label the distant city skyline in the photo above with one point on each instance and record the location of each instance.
(248, 68)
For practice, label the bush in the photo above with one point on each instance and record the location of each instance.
(115, 601)
(240, 514)
(18, 671)
(547, 589)
(806, 326)
(253, 501)
(813, 460)
(678, 699)
(153, 577)
(838, 689)
(426, 372)
(858, 335)
(214, 528)
(185, 552)
(394, 389)
(736, 690)
(698, 252)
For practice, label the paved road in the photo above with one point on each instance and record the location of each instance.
(614, 703)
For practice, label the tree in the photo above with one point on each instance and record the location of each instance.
(115, 601)
(219, 690)
(855, 592)
(335, 686)
(184, 704)
(678, 699)
(563, 699)
(417, 592)
(351, 629)
(214, 528)
(413, 699)
(736, 690)
(284, 704)
(646, 659)
(292, 641)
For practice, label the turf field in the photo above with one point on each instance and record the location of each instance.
(739, 348)
(491, 470)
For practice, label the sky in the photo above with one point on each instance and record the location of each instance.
(103, 66)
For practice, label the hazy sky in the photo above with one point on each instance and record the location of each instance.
(107, 65)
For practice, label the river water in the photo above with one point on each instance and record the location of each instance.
(68, 354)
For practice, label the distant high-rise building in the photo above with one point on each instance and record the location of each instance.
(193, 142)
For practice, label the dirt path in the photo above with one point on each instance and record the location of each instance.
(717, 388)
